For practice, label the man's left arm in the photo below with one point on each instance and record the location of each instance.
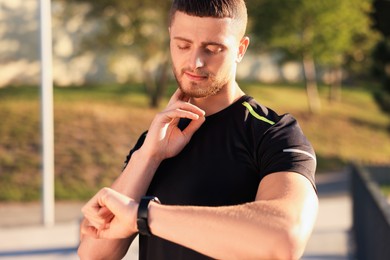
(276, 225)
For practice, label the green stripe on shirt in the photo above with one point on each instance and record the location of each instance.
(253, 113)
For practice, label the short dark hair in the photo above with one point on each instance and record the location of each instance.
(235, 9)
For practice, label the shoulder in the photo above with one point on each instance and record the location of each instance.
(260, 116)
(279, 142)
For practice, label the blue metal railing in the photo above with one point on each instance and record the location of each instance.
(371, 212)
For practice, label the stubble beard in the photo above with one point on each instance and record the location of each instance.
(199, 90)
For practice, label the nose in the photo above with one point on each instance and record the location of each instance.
(199, 63)
(196, 61)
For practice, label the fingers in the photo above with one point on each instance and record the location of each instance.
(164, 138)
(177, 96)
(98, 233)
(180, 101)
(96, 212)
(181, 109)
(109, 214)
(115, 202)
(88, 229)
(169, 115)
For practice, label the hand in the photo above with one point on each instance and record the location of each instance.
(110, 215)
(164, 138)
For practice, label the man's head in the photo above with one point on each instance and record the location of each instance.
(207, 41)
(235, 9)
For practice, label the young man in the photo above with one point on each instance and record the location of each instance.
(235, 180)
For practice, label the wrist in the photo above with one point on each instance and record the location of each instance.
(143, 226)
(149, 157)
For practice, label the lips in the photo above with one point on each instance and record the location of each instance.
(194, 76)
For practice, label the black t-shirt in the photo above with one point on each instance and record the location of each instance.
(224, 163)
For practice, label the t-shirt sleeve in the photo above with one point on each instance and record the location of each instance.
(137, 145)
(284, 147)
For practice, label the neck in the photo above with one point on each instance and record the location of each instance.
(215, 103)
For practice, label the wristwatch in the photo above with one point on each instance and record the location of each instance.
(142, 214)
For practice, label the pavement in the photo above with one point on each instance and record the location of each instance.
(23, 237)
(332, 234)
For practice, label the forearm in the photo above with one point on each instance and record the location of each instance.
(136, 177)
(133, 182)
(258, 230)
(222, 232)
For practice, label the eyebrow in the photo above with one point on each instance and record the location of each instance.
(203, 43)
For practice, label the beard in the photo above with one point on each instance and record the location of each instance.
(202, 89)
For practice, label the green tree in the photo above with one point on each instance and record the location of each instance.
(138, 28)
(350, 43)
(316, 32)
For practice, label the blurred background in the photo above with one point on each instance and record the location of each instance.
(325, 62)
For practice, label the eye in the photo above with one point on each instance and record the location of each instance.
(213, 49)
(183, 46)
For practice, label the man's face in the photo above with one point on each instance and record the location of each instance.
(204, 53)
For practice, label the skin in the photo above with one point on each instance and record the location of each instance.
(205, 53)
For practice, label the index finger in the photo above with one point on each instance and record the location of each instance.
(178, 95)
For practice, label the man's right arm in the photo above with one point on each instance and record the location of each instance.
(133, 182)
(164, 140)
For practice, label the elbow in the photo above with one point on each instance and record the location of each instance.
(285, 244)
(291, 245)
(292, 239)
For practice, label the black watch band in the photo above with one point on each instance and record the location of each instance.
(142, 215)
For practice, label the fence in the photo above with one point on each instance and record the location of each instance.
(371, 212)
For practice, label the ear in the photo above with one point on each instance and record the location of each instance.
(244, 43)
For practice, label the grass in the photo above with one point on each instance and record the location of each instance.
(94, 130)
(95, 126)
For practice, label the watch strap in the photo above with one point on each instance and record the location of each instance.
(142, 214)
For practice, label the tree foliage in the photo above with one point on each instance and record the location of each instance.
(138, 28)
(322, 32)
(329, 33)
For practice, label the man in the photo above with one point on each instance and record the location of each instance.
(235, 180)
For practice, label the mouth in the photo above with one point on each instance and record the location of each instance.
(195, 77)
